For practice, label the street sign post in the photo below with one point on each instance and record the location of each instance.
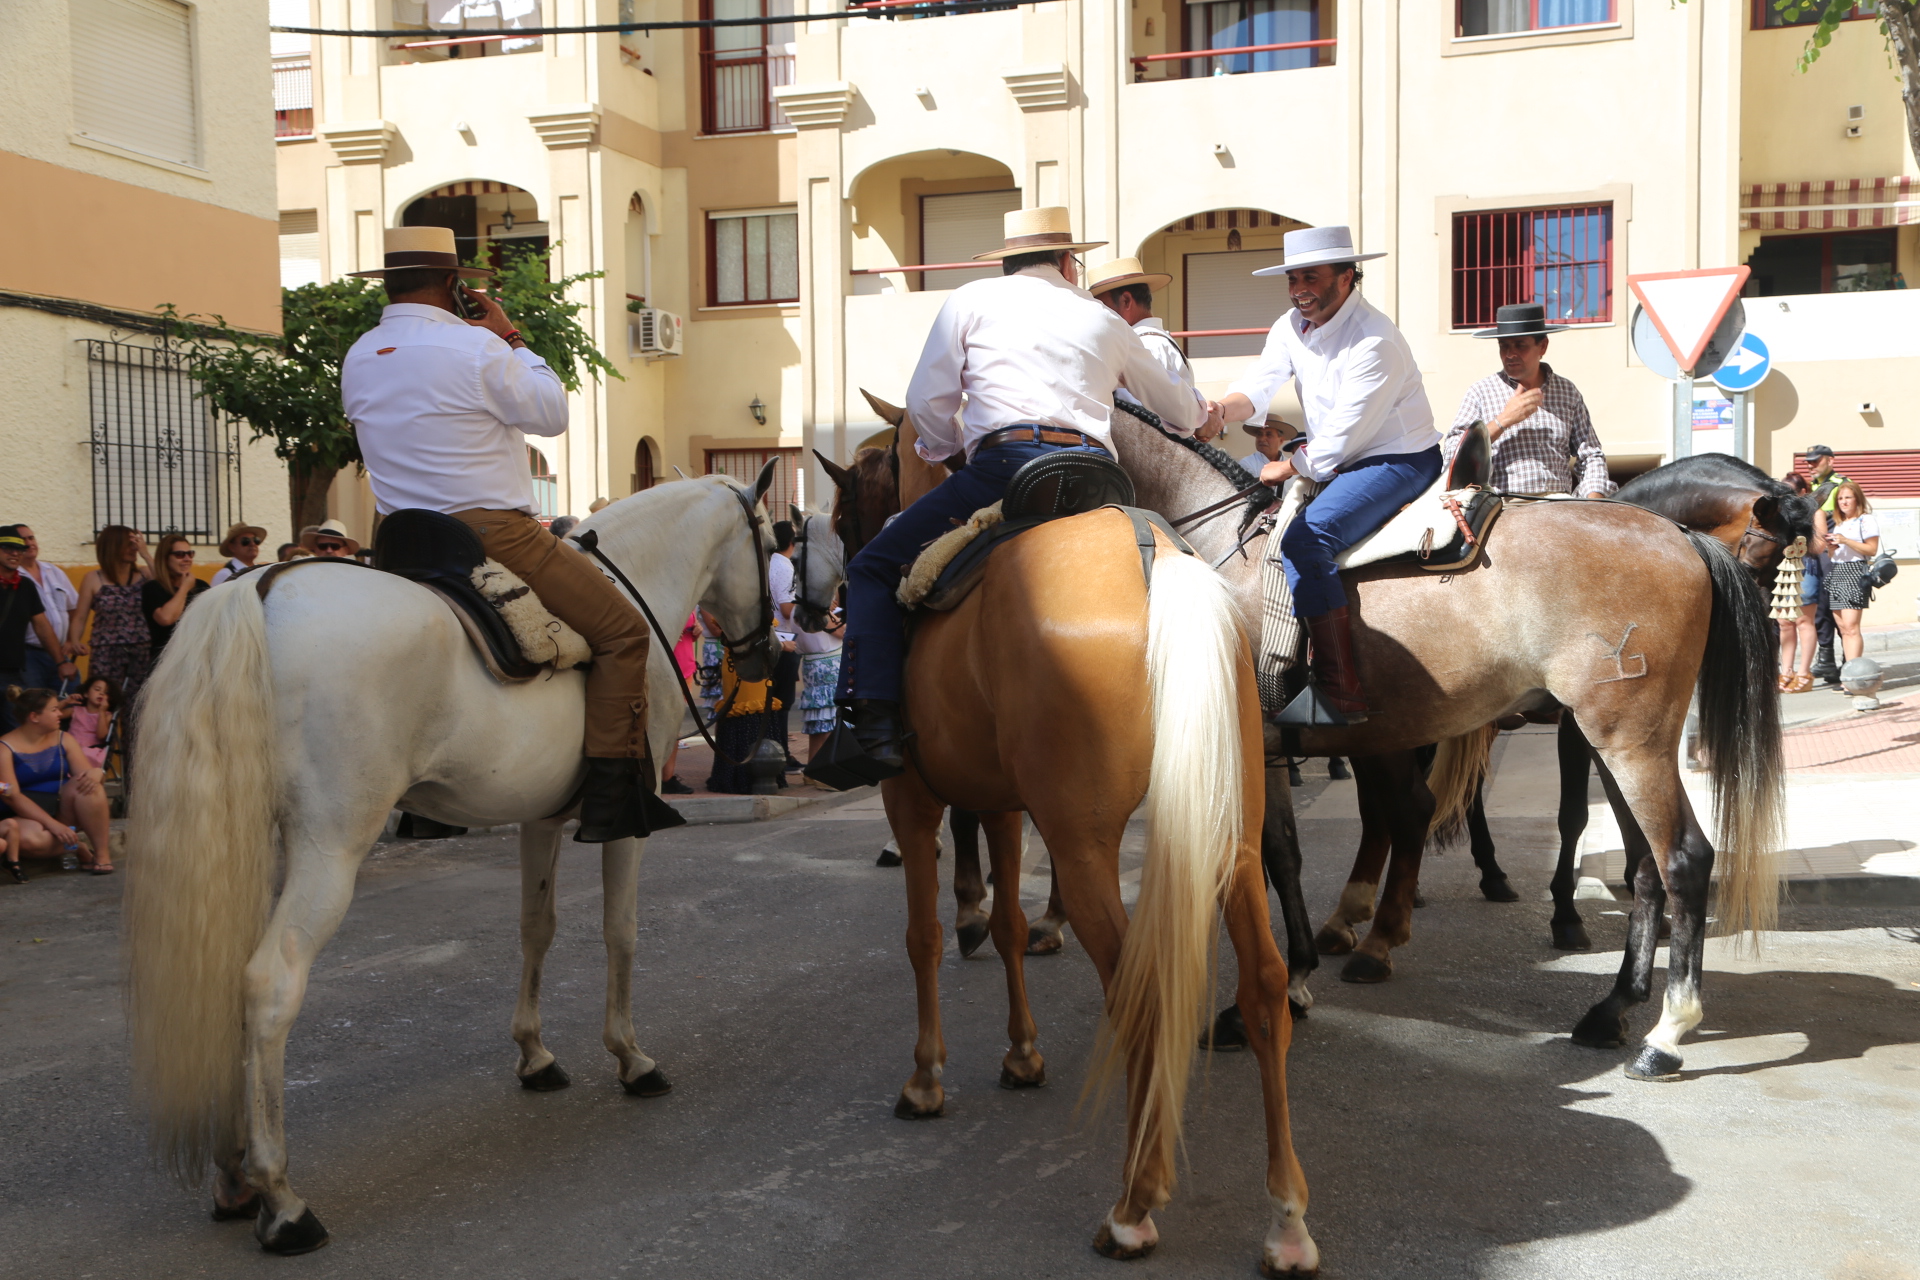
(1700, 323)
(1746, 366)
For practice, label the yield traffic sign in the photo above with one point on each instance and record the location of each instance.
(1686, 307)
(1746, 366)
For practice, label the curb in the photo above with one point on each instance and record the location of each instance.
(1827, 891)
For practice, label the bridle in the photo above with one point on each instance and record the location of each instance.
(800, 601)
(1755, 531)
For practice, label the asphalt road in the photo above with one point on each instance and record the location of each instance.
(1447, 1126)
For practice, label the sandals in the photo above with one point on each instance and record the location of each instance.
(1801, 683)
(95, 869)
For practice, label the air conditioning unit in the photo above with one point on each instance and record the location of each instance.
(653, 332)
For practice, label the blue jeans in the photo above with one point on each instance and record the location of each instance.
(875, 649)
(1354, 504)
(42, 671)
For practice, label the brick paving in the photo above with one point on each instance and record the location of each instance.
(1883, 741)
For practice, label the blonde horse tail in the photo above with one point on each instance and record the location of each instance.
(1459, 766)
(199, 870)
(1195, 798)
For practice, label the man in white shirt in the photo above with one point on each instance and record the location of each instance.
(1370, 442)
(1267, 439)
(1126, 289)
(58, 597)
(241, 547)
(442, 407)
(1037, 361)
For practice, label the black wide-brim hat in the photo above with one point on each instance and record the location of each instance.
(1520, 320)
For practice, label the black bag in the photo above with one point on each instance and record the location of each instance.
(1882, 570)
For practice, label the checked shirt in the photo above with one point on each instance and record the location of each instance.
(1533, 455)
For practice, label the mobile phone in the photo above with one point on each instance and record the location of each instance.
(463, 306)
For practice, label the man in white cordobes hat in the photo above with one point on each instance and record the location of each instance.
(442, 407)
(1127, 289)
(1370, 442)
(1536, 419)
(1037, 360)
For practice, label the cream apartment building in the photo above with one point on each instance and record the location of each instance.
(137, 173)
(658, 159)
(1499, 150)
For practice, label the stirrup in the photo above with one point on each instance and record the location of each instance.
(1309, 710)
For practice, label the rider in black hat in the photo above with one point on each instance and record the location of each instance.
(1537, 420)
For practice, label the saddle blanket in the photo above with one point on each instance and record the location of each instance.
(543, 638)
(930, 563)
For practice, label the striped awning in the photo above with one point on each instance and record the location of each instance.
(1825, 206)
(477, 189)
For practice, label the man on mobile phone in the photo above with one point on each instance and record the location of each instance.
(442, 407)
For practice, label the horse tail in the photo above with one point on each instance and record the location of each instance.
(199, 872)
(1740, 731)
(1195, 798)
(1459, 767)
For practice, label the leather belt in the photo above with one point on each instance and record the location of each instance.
(1037, 435)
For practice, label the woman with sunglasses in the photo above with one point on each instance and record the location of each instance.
(241, 547)
(173, 588)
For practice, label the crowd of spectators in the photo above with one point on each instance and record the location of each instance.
(1825, 582)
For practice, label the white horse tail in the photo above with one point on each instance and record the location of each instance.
(199, 872)
(1459, 766)
(1195, 796)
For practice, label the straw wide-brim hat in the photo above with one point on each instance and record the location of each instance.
(417, 248)
(1316, 247)
(1036, 231)
(1122, 272)
(1273, 420)
(331, 529)
(226, 543)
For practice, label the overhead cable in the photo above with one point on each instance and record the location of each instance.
(932, 8)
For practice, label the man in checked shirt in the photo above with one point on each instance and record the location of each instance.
(1535, 418)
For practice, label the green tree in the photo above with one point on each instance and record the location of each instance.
(287, 387)
(1899, 25)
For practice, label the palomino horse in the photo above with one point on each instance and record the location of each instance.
(316, 712)
(1068, 687)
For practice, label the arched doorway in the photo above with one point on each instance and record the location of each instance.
(1215, 302)
(546, 485)
(644, 474)
(491, 221)
(928, 208)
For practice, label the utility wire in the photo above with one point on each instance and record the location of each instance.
(520, 33)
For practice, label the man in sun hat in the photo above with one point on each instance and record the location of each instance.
(330, 538)
(1268, 436)
(1370, 444)
(1535, 418)
(1035, 360)
(1127, 290)
(442, 407)
(241, 547)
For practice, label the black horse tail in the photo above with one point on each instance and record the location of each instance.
(1740, 733)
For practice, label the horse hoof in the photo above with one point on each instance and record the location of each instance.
(650, 1085)
(1496, 889)
(546, 1079)
(1602, 1028)
(1298, 1010)
(1337, 769)
(1298, 1273)
(1571, 937)
(1419, 900)
(1108, 1245)
(248, 1208)
(1042, 943)
(1228, 1034)
(907, 1109)
(1655, 1065)
(1293, 775)
(1008, 1080)
(1365, 968)
(970, 937)
(303, 1235)
(887, 858)
(1331, 942)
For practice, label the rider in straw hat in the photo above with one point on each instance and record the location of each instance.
(442, 407)
(1127, 290)
(1037, 361)
(1370, 444)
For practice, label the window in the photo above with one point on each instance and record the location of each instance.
(1511, 17)
(955, 228)
(133, 77)
(741, 66)
(1222, 293)
(162, 459)
(643, 479)
(546, 485)
(1237, 24)
(1807, 13)
(745, 464)
(1843, 262)
(1560, 258)
(299, 248)
(753, 257)
(464, 22)
(292, 69)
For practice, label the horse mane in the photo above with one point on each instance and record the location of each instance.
(1219, 459)
(1669, 487)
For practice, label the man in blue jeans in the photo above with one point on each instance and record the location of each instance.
(1036, 360)
(1370, 437)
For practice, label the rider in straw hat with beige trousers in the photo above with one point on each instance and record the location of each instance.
(442, 407)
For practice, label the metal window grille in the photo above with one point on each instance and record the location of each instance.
(1560, 258)
(293, 97)
(163, 459)
(745, 464)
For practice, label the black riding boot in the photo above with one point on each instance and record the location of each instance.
(618, 802)
(877, 728)
(1824, 667)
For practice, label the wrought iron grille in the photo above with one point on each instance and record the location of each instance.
(163, 459)
(1560, 258)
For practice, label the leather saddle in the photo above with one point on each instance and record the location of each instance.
(440, 553)
(1428, 530)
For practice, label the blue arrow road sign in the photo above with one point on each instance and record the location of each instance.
(1746, 366)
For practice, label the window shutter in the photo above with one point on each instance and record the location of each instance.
(955, 228)
(299, 248)
(133, 76)
(1222, 293)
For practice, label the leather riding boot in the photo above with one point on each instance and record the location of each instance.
(618, 802)
(877, 728)
(1334, 670)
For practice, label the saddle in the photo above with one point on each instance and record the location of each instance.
(1444, 528)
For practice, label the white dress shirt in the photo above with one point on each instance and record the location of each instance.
(227, 570)
(1357, 381)
(58, 597)
(442, 409)
(1031, 348)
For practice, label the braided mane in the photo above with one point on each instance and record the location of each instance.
(1219, 459)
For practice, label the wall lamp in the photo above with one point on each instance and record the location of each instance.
(758, 410)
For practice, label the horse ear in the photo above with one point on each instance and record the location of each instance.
(795, 514)
(765, 479)
(1765, 508)
(842, 478)
(889, 413)
(683, 475)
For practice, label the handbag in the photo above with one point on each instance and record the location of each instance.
(1882, 570)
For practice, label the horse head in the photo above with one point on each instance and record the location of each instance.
(820, 566)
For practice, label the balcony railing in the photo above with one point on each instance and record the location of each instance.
(1142, 61)
(736, 89)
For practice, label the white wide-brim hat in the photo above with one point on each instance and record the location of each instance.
(1036, 230)
(412, 248)
(1316, 247)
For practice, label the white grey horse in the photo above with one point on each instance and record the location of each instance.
(314, 713)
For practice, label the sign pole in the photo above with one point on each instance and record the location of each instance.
(1682, 419)
(1742, 444)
